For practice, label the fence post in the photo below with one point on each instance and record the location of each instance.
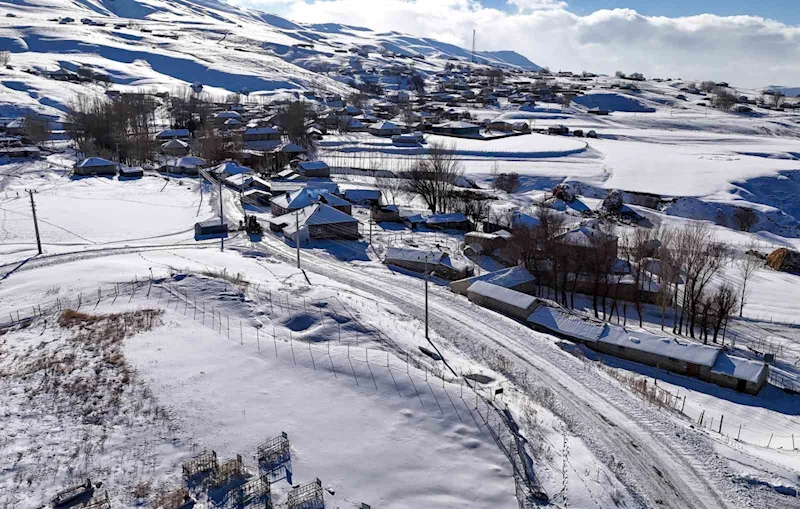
(740, 433)
(241, 334)
(258, 340)
(720, 424)
(684, 403)
(770, 440)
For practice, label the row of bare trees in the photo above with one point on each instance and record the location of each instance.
(675, 268)
(122, 129)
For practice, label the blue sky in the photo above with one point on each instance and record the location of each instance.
(786, 11)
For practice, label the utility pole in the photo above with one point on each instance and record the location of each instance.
(473, 46)
(221, 215)
(426, 297)
(370, 232)
(297, 236)
(35, 222)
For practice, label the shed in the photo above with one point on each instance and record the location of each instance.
(96, 166)
(314, 169)
(740, 374)
(418, 260)
(503, 300)
(455, 221)
(173, 134)
(363, 196)
(513, 278)
(130, 172)
(212, 227)
(385, 214)
(566, 325)
(489, 242)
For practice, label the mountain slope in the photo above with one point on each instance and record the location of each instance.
(169, 44)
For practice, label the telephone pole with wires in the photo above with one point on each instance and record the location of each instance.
(221, 214)
(35, 222)
(297, 236)
(426, 298)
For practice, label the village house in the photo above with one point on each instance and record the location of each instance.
(96, 166)
(302, 198)
(416, 260)
(584, 242)
(187, 165)
(173, 134)
(223, 116)
(317, 221)
(457, 128)
(385, 128)
(175, 147)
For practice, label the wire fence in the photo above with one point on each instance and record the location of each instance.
(392, 369)
(735, 429)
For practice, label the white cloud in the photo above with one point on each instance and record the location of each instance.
(747, 50)
(534, 5)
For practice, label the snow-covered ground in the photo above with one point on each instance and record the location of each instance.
(331, 354)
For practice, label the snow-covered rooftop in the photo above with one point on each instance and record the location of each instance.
(506, 296)
(91, 162)
(666, 347)
(737, 367)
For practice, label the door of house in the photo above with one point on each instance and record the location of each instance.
(741, 385)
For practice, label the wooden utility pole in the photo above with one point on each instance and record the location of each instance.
(221, 215)
(426, 298)
(35, 222)
(297, 236)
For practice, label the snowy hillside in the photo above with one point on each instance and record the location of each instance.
(164, 46)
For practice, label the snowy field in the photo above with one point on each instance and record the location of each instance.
(185, 348)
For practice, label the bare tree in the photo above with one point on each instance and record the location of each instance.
(708, 86)
(746, 266)
(292, 120)
(36, 128)
(701, 258)
(668, 273)
(778, 98)
(391, 187)
(723, 304)
(5, 57)
(744, 218)
(434, 177)
(723, 99)
(638, 246)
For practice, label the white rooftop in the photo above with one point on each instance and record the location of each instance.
(505, 295)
